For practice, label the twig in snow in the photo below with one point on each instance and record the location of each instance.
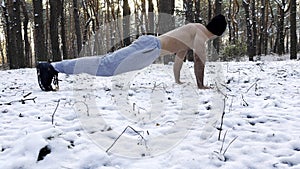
(254, 84)
(244, 101)
(222, 120)
(219, 90)
(122, 134)
(55, 111)
(27, 94)
(223, 142)
(220, 154)
(156, 85)
(229, 144)
(21, 100)
(226, 87)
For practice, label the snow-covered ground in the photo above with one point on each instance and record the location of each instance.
(144, 120)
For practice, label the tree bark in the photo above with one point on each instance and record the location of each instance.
(7, 32)
(254, 30)
(40, 50)
(218, 10)
(249, 30)
(188, 8)
(280, 29)
(54, 16)
(63, 30)
(165, 16)
(293, 29)
(77, 27)
(17, 57)
(151, 17)
(28, 56)
(126, 23)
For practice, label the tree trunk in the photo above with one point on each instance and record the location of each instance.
(230, 21)
(209, 13)
(249, 30)
(9, 51)
(28, 56)
(40, 50)
(261, 42)
(165, 16)
(63, 30)
(54, 16)
(218, 10)
(151, 17)
(280, 29)
(189, 18)
(17, 59)
(77, 27)
(166, 21)
(293, 29)
(189, 13)
(254, 29)
(197, 16)
(126, 23)
(235, 26)
(143, 17)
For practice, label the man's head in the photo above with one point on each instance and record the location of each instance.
(217, 25)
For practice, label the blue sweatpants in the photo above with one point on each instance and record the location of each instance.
(140, 54)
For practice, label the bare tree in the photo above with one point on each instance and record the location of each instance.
(9, 51)
(263, 28)
(218, 10)
(250, 48)
(39, 33)
(77, 27)
(198, 18)
(151, 22)
(28, 56)
(54, 36)
(254, 30)
(188, 8)
(126, 22)
(63, 29)
(293, 29)
(165, 18)
(16, 57)
(166, 21)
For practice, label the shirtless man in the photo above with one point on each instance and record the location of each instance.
(140, 54)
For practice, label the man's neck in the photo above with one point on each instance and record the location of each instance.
(209, 34)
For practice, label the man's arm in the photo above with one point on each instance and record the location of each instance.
(178, 65)
(199, 72)
(199, 61)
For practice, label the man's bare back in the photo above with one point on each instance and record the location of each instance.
(179, 41)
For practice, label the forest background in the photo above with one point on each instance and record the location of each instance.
(39, 30)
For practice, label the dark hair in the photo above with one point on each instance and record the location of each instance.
(217, 25)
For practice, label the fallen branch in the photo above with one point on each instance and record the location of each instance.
(122, 134)
(21, 100)
(55, 111)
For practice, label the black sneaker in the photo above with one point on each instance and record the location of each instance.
(46, 75)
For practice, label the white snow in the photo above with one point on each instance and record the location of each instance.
(178, 123)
